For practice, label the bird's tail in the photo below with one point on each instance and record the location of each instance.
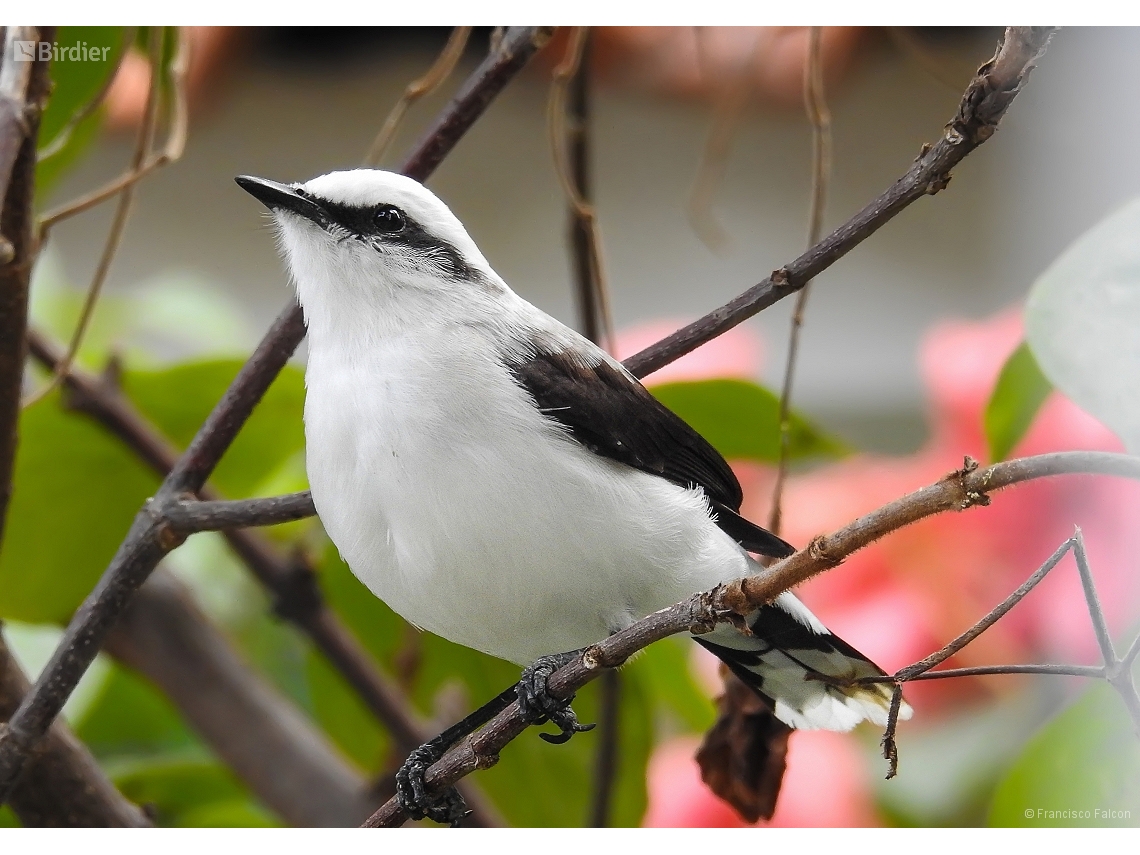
(783, 659)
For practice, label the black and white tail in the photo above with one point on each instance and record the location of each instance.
(787, 646)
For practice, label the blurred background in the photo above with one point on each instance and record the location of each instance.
(902, 346)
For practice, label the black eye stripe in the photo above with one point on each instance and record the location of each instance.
(372, 223)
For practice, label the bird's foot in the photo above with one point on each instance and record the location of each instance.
(446, 808)
(538, 706)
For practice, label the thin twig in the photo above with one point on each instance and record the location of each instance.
(580, 207)
(728, 110)
(149, 539)
(983, 105)
(1096, 612)
(815, 105)
(441, 69)
(702, 611)
(143, 142)
(64, 136)
(914, 47)
(591, 320)
(606, 760)
(998, 612)
(983, 670)
(578, 144)
(193, 515)
(171, 151)
(1117, 671)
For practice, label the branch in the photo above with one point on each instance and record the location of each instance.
(571, 131)
(702, 611)
(291, 580)
(63, 786)
(958, 491)
(145, 139)
(284, 759)
(815, 104)
(573, 171)
(139, 169)
(982, 107)
(434, 78)
(189, 516)
(23, 91)
(150, 539)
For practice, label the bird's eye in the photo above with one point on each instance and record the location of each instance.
(388, 219)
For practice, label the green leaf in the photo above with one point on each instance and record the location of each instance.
(181, 791)
(1081, 769)
(75, 491)
(132, 717)
(237, 813)
(74, 83)
(741, 420)
(1020, 391)
(179, 398)
(77, 488)
(664, 670)
(1081, 319)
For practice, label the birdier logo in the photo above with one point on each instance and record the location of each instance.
(30, 51)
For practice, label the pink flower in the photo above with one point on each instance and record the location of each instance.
(906, 595)
(818, 762)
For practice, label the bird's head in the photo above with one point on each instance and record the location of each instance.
(358, 240)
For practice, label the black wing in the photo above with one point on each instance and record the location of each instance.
(615, 417)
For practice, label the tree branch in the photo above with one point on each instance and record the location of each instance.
(63, 786)
(149, 539)
(983, 105)
(286, 761)
(698, 614)
(959, 490)
(291, 580)
(145, 139)
(432, 79)
(23, 92)
(191, 515)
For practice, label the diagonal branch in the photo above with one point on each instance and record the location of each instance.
(286, 760)
(63, 785)
(291, 580)
(149, 539)
(958, 491)
(434, 78)
(983, 105)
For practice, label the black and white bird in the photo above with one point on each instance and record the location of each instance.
(498, 479)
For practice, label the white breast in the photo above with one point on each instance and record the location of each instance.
(467, 512)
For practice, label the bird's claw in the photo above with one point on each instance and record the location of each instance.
(538, 706)
(447, 808)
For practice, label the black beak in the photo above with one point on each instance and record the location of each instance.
(281, 197)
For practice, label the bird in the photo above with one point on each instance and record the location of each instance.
(503, 482)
